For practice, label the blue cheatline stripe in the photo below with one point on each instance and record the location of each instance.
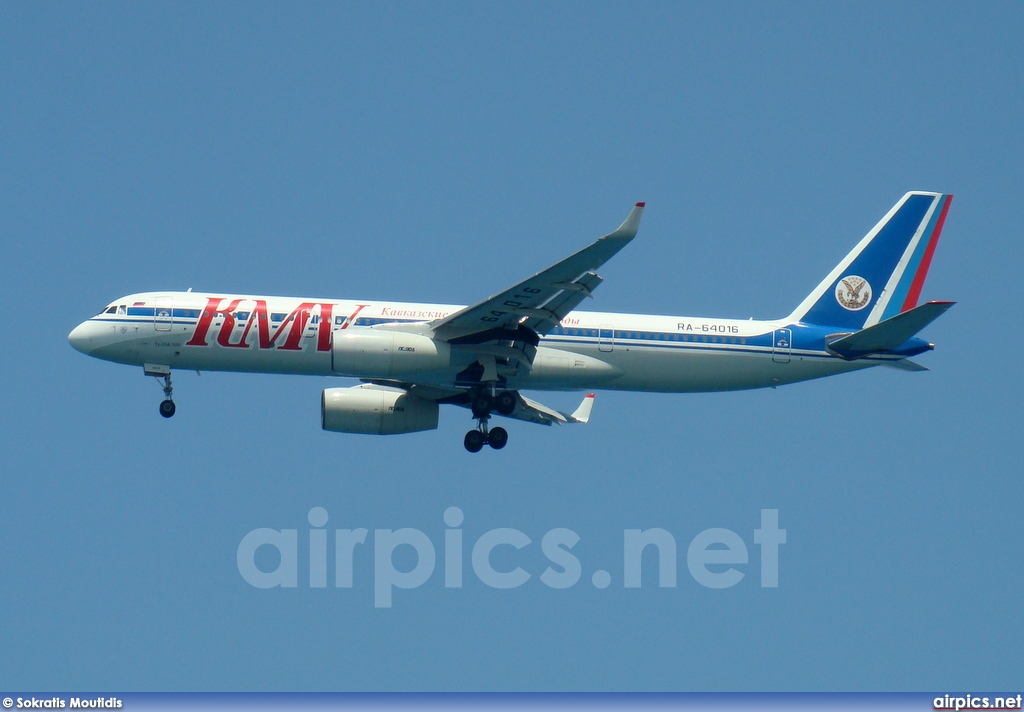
(178, 321)
(695, 346)
(151, 311)
(374, 321)
(899, 295)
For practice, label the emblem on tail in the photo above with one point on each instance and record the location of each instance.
(853, 293)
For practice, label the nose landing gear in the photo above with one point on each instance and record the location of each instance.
(167, 407)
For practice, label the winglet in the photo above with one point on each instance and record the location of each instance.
(628, 229)
(582, 414)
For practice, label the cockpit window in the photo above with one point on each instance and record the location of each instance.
(122, 310)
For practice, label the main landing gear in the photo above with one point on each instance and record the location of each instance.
(475, 440)
(482, 404)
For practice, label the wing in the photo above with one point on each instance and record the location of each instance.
(503, 331)
(533, 307)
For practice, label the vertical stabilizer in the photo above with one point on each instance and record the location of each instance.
(884, 274)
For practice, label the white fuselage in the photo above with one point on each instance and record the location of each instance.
(588, 350)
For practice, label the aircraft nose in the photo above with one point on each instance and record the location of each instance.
(80, 338)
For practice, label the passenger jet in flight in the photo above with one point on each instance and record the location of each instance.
(412, 358)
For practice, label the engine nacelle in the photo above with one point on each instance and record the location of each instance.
(382, 353)
(375, 411)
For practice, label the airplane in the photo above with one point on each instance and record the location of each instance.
(412, 358)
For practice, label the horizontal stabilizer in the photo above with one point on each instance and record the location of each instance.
(905, 364)
(889, 334)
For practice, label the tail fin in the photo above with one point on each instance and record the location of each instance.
(884, 274)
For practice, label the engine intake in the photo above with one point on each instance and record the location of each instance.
(373, 410)
(382, 353)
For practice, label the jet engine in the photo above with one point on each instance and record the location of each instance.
(381, 353)
(376, 411)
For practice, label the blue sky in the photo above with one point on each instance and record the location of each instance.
(438, 153)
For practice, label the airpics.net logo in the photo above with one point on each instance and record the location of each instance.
(715, 558)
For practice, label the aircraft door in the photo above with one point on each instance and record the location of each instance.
(163, 314)
(782, 345)
(606, 338)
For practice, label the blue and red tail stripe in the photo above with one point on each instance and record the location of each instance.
(908, 291)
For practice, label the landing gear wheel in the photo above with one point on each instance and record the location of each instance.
(167, 408)
(474, 441)
(505, 403)
(481, 406)
(497, 438)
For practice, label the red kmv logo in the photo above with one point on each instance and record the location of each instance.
(285, 336)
